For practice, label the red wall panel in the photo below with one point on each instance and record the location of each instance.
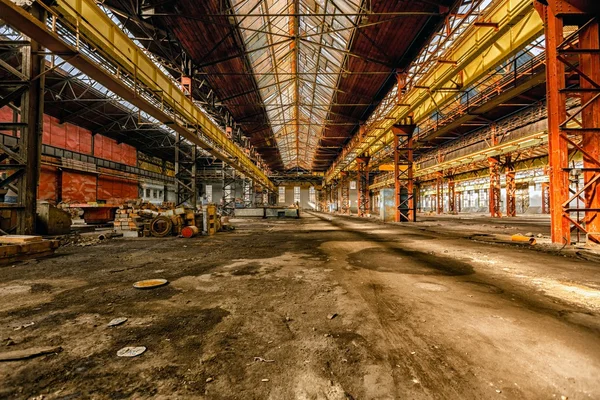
(6, 115)
(48, 183)
(85, 141)
(78, 187)
(58, 134)
(47, 132)
(116, 190)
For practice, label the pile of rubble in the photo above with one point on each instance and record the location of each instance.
(140, 219)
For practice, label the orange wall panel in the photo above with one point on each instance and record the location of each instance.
(48, 184)
(78, 187)
(85, 141)
(6, 115)
(47, 132)
(116, 190)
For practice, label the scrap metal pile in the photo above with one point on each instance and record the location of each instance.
(144, 219)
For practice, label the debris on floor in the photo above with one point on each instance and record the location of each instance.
(117, 321)
(150, 283)
(131, 351)
(25, 354)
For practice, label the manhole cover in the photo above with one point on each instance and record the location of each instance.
(150, 283)
(131, 351)
(432, 287)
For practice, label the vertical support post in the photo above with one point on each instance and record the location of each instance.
(545, 198)
(418, 198)
(451, 196)
(228, 204)
(403, 172)
(439, 193)
(345, 192)
(362, 185)
(589, 62)
(178, 183)
(334, 195)
(494, 193)
(193, 178)
(576, 56)
(259, 197)
(248, 196)
(557, 147)
(511, 188)
(24, 161)
(32, 113)
(186, 156)
(322, 199)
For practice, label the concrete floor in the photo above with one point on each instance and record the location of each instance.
(422, 313)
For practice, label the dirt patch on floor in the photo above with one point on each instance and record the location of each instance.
(294, 309)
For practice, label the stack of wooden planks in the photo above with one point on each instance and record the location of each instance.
(23, 247)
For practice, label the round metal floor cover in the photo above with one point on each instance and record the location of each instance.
(131, 351)
(150, 283)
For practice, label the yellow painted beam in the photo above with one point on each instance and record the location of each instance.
(477, 51)
(90, 24)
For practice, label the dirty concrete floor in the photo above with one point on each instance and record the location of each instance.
(249, 314)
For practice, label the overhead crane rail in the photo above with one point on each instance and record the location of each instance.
(128, 72)
(518, 80)
(478, 50)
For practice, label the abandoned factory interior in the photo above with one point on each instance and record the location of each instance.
(300, 199)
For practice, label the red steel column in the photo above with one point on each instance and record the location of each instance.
(403, 172)
(362, 185)
(439, 193)
(334, 195)
(589, 79)
(494, 196)
(345, 189)
(557, 148)
(545, 198)
(451, 196)
(511, 188)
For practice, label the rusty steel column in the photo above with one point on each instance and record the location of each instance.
(439, 193)
(335, 195)
(29, 152)
(362, 185)
(403, 172)
(345, 192)
(451, 196)
(589, 80)
(573, 73)
(494, 196)
(511, 188)
(323, 199)
(545, 198)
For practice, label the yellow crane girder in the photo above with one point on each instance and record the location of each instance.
(176, 110)
(510, 25)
